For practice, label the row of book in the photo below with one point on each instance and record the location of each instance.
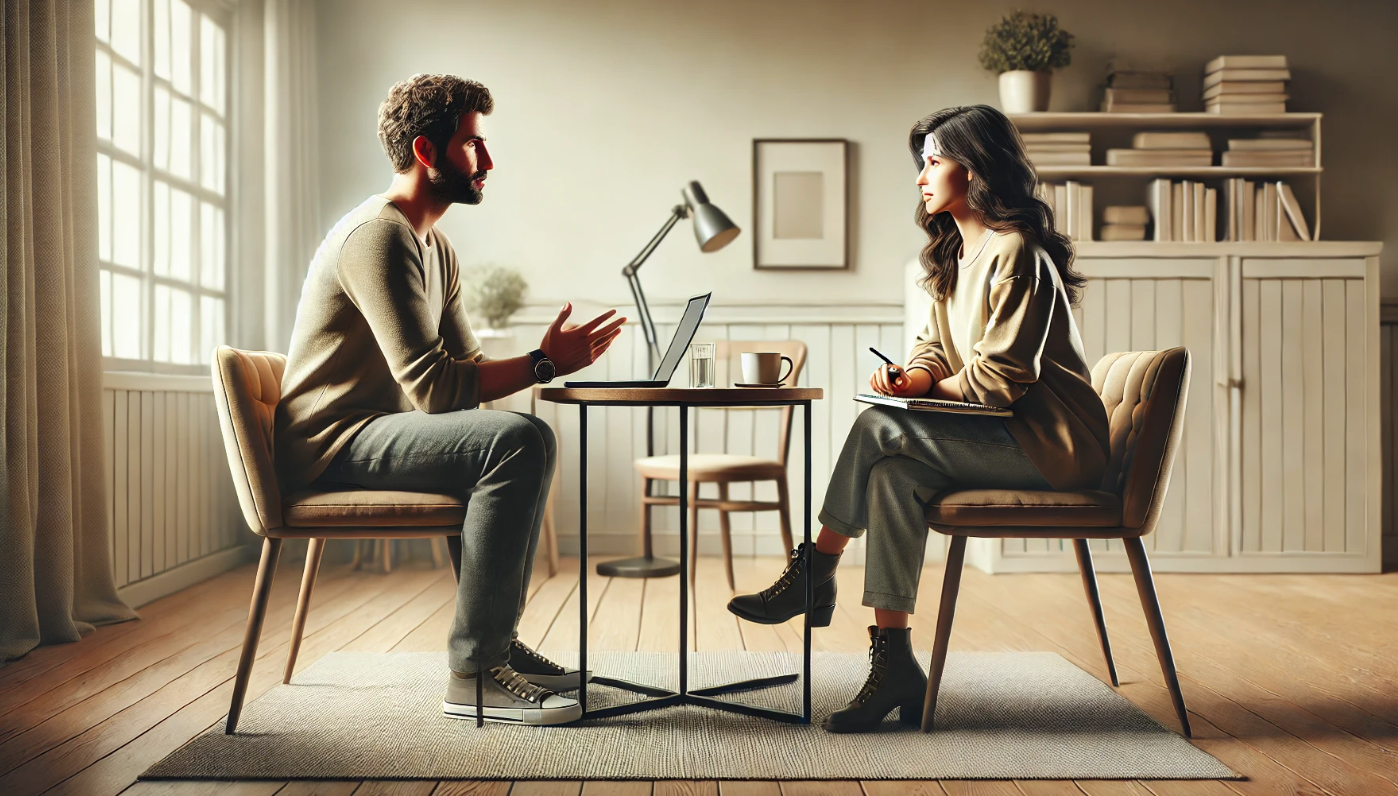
(1071, 203)
(1182, 211)
(1058, 149)
(1125, 222)
(1131, 90)
(1170, 148)
(1266, 211)
(1272, 149)
(1250, 84)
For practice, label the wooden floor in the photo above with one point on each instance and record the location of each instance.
(1291, 680)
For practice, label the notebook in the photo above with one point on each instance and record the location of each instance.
(934, 405)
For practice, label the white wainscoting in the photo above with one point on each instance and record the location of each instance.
(171, 510)
(838, 340)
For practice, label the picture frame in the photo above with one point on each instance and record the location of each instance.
(800, 204)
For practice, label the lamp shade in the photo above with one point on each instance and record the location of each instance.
(713, 229)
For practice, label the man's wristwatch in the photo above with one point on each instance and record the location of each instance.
(543, 366)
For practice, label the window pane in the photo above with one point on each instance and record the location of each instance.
(181, 234)
(126, 215)
(127, 328)
(211, 321)
(161, 153)
(211, 247)
(181, 57)
(181, 128)
(211, 61)
(126, 29)
(103, 10)
(126, 107)
(106, 280)
(104, 95)
(211, 156)
(172, 317)
(104, 207)
(160, 247)
(162, 38)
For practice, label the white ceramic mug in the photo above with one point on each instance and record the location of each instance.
(764, 367)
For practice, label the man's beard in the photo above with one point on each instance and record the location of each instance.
(450, 184)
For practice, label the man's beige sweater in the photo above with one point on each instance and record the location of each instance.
(1006, 337)
(380, 329)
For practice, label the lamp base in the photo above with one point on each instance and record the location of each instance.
(639, 567)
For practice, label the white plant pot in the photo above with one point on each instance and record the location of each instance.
(1022, 91)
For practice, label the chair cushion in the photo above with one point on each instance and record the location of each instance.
(1011, 507)
(367, 508)
(710, 467)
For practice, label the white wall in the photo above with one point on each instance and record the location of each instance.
(604, 109)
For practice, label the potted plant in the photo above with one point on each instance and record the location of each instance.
(1024, 49)
(494, 293)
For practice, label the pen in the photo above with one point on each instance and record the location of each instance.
(895, 369)
(880, 355)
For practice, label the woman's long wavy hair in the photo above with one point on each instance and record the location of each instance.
(980, 138)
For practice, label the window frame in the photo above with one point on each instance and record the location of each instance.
(221, 14)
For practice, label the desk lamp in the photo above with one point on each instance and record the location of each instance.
(712, 231)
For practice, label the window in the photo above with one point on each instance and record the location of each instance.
(162, 178)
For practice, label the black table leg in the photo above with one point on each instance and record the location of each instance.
(582, 555)
(806, 642)
(685, 552)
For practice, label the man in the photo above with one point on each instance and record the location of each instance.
(382, 362)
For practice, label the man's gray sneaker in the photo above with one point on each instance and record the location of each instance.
(508, 698)
(541, 671)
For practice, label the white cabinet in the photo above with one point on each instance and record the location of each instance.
(1279, 468)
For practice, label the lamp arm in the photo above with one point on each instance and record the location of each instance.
(634, 282)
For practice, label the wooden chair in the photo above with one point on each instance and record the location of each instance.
(722, 468)
(1144, 393)
(247, 387)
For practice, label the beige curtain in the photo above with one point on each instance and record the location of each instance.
(55, 568)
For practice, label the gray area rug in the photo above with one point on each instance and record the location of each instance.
(1000, 716)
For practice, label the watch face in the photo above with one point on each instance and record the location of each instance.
(543, 370)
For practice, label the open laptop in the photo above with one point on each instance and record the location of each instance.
(684, 333)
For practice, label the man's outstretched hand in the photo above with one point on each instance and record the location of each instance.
(573, 347)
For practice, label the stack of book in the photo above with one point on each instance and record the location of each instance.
(1138, 91)
(1246, 84)
(1165, 149)
(1125, 222)
(1272, 148)
(1183, 211)
(1058, 149)
(1071, 203)
(1263, 212)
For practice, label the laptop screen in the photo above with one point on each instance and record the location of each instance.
(684, 333)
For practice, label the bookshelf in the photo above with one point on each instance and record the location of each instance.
(1114, 130)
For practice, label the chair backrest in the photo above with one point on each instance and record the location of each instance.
(247, 387)
(1144, 393)
(728, 362)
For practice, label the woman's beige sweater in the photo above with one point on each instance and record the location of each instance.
(1006, 337)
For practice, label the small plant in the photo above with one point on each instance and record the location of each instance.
(494, 293)
(1029, 42)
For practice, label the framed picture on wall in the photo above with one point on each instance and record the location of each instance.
(800, 203)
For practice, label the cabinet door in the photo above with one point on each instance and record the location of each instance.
(1145, 305)
(1304, 433)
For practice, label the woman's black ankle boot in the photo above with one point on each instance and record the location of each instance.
(895, 681)
(787, 597)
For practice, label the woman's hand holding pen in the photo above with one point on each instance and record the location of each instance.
(893, 380)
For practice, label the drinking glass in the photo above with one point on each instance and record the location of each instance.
(701, 364)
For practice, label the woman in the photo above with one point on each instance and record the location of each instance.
(1001, 333)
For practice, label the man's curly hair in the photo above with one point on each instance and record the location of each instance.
(427, 105)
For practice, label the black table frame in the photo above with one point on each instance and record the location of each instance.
(702, 697)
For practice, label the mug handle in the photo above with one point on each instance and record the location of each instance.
(790, 367)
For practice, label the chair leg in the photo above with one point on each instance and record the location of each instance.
(303, 604)
(646, 549)
(454, 549)
(261, 590)
(1094, 601)
(725, 530)
(1150, 604)
(951, 585)
(387, 555)
(358, 555)
(784, 513)
(438, 557)
(693, 531)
